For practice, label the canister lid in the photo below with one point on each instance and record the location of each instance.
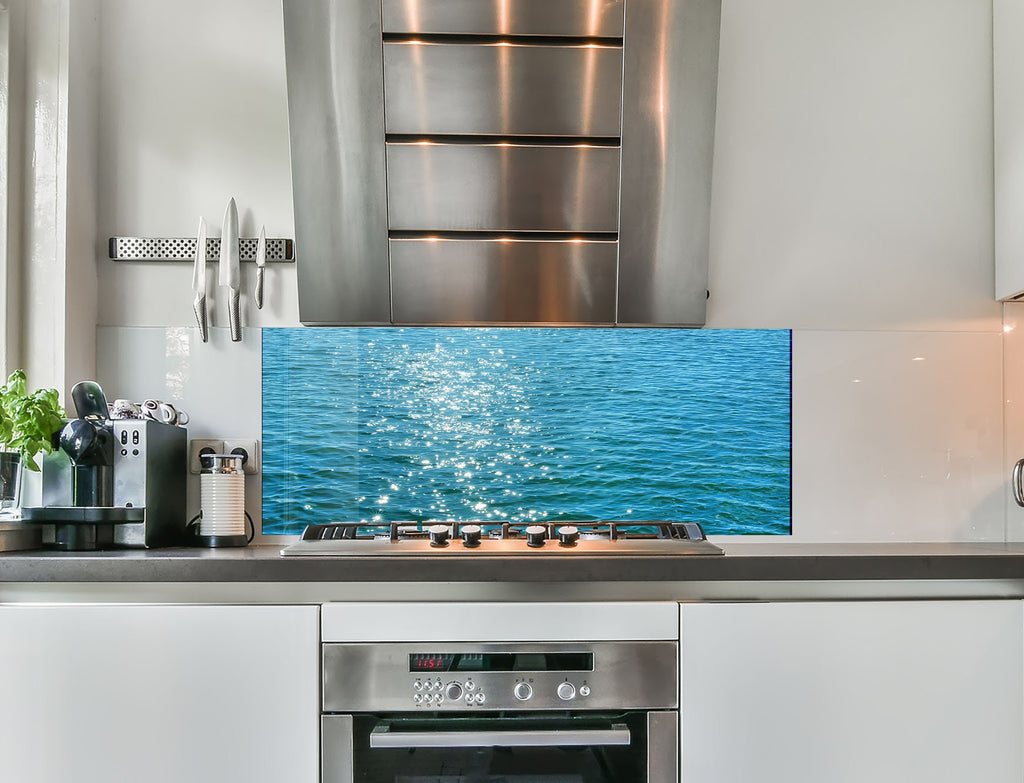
(220, 463)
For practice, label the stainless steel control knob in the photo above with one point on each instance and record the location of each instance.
(568, 535)
(522, 691)
(471, 535)
(566, 691)
(438, 535)
(536, 535)
(453, 692)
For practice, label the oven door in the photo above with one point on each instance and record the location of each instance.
(631, 747)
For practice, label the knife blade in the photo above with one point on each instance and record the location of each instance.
(199, 282)
(261, 262)
(229, 272)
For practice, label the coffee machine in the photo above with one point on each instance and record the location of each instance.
(117, 482)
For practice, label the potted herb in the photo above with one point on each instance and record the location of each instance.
(28, 423)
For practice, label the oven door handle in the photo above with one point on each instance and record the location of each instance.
(383, 737)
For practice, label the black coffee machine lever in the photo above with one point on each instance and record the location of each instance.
(90, 401)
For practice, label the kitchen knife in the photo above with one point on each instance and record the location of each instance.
(199, 281)
(261, 262)
(229, 274)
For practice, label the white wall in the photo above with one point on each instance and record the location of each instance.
(194, 112)
(852, 203)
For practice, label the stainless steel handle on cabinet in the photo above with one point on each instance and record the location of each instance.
(1018, 487)
(383, 737)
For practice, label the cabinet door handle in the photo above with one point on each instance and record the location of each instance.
(1018, 488)
(382, 737)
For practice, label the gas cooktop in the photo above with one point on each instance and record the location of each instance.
(455, 539)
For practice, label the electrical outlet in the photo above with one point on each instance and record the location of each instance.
(249, 449)
(199, 446)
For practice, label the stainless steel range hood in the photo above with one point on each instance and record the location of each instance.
(502, 161)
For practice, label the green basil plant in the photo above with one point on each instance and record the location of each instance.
(28, 421)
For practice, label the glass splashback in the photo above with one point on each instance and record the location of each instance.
(533, 424)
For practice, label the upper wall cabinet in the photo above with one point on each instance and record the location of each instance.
(1008, 106)
(502, 161)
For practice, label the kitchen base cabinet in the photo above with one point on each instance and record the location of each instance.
(857, 692)
(159, 694)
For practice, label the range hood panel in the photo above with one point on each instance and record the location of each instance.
(502, 188)
(438, 88)
(579, 132)
(592, 18)
(335, 125)
(509, 282)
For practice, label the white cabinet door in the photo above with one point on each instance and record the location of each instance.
(880, 692)
(1008, 127)
(161, 694)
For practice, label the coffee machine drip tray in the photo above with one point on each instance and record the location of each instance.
(89, 515)
(80, 528)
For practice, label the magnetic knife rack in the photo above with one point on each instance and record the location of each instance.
(279, 251)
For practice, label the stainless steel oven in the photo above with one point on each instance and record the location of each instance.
(519, 712)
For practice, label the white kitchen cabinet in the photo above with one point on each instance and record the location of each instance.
(851, 692)
(1008, 132)
(161, 694)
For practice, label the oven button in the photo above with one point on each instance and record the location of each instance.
(566, 691)
(417, 686)
(453, 692)
(438, 698)
(522, 691)
(470, 685)
(479, 698)
(417, 699)
(469, 699)
(584, 690)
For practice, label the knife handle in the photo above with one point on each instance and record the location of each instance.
(258, 294)
(234, 317)
(199, 306)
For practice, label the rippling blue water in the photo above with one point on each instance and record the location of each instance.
(516, 425)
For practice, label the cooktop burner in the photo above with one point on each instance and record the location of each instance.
(461, 539)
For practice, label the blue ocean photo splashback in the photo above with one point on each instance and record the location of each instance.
(527, 424)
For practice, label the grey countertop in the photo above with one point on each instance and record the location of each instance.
(742, 562)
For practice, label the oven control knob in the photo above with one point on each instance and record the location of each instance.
(453, 692)
(471, 535)
(438, 535)
(522, 691)
(568, 535)
(566, 691)
(535, 535)
(584, 690)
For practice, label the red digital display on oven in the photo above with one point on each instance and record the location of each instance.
(430, 662)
